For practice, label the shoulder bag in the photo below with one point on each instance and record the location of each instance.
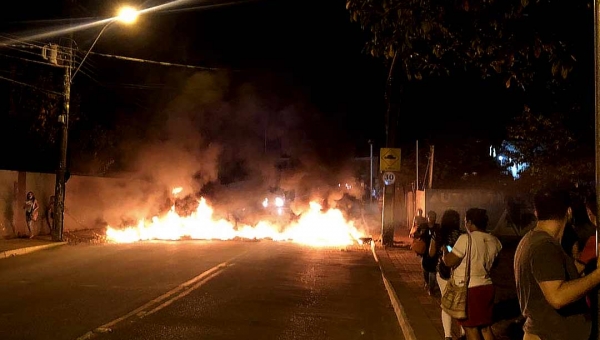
(454, 299)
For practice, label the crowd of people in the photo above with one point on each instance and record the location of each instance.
(555, 266)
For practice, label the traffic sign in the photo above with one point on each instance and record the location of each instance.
(389, 178)
(389, 159)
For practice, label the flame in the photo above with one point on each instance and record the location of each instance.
(314, 228)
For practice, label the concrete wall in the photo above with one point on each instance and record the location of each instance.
(440, 200)
(90, 202)
(8, 183)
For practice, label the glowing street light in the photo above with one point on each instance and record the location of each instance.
(127, 15)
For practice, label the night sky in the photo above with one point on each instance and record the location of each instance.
(306, 54)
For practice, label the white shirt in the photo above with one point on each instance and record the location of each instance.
(484, 250)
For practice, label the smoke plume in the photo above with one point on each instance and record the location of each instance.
(233, 141)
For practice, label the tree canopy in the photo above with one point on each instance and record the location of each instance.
(504, 38)
(543, 47)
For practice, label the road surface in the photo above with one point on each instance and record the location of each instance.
(194, 290)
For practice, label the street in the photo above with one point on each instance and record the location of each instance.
(195, 290)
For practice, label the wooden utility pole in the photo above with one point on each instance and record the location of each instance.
(61, 171)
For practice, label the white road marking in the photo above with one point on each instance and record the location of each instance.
(165, 299)
(405, 326)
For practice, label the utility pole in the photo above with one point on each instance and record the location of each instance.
(61, 171)
(416, 187)
(371, 177)
(126, 15)
(388, 219)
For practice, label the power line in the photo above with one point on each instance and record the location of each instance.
(16, 39)
(30, 86)
(210, 6)
(163, 63)
(28, 45)
(29, 60)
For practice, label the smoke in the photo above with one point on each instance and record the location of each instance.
(234, 142)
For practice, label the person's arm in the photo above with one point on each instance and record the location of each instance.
(560, 293)
(580, 267)
(549, 272)
(418, 232)
(453, 258)
(433, 247)
(450, 259)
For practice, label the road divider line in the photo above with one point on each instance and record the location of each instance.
(151, 306)
(405, 326)
(184, 293)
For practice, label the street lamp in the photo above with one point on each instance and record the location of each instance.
(127, 15)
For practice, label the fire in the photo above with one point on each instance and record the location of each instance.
(314, 227)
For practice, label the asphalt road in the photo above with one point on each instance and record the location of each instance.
(194, 290)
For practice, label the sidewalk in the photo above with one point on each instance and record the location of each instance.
(20, 246)
(419, 314)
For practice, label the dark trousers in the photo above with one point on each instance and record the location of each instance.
(428, 265)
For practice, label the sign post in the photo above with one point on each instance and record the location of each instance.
(389, 164)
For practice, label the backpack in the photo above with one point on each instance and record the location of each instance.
(418, 246)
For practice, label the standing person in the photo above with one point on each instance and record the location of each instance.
(549, 287)
(50, 214)
(31, 212)
(586, 261)
(425, 232)
(587, 257)
(446, 236)
(480, 292)
(417, 221)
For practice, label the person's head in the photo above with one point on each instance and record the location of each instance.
(431, 217)
(552, 204)
(419, 212)
(476, 218)
(591, 206)
(30, 195)
(450, 220)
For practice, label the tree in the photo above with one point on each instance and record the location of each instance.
(33, 101)
(502, 38)
(459, 165)
(550, 147)
(534, 44)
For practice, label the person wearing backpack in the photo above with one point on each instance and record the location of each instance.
(424, 233)
(445, 236)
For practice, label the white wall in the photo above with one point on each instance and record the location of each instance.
(90, 202)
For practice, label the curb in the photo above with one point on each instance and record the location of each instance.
(407, 329)
(27, 250)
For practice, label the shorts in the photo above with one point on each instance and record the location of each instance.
(480, 306)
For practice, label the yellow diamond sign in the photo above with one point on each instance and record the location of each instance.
(389, 159)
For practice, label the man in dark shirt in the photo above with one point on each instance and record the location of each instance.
(425, 231)
(550, 290)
